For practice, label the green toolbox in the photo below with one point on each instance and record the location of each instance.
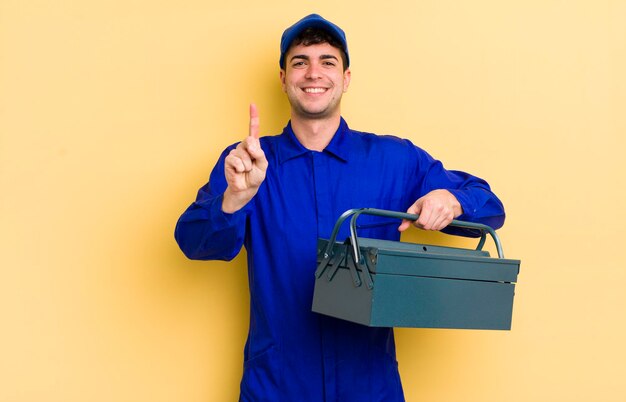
(382, 283)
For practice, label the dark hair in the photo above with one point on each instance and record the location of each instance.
(315, 36)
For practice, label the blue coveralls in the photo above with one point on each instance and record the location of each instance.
(291, 353)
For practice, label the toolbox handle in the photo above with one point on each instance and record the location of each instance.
(355, 213)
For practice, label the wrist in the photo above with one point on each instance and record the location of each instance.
(233, 201)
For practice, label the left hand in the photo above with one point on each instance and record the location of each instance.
(436, 210)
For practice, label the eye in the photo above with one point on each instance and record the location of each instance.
(329, 63)
(298, 64)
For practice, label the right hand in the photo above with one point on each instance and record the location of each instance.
(244, 168)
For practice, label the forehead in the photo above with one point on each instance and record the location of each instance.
(313, 51)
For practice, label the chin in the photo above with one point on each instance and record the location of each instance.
(316, 114)
(319, 112)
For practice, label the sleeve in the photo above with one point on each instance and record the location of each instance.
(479, 203)
(204, 231)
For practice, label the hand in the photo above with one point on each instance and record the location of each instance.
(436, 210)
(244, 168)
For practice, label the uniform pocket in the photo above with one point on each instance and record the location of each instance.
(261, 377)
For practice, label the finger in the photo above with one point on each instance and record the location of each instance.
(441, 222)
(433, 220)
(234, 163)
(428, 215)
(253, 147)
(404, 225)
(426, 219)
(242, 155)
(440, 218)
(413, 209)
(425, 214)
(254, 121)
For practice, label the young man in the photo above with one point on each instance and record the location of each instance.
(277, 195)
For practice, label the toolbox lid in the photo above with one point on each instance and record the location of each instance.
(399, 258)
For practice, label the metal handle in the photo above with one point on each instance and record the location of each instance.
(355, 213)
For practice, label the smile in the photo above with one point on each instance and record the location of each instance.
(315, 90)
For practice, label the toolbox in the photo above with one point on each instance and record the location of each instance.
(382, 283)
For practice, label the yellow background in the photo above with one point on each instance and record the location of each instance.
(113, 112)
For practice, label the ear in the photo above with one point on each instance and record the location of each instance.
(283, 75)
(347, 75)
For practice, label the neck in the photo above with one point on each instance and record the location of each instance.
(315, 134)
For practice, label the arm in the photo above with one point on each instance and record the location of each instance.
(213, 227)
(204, 231)
(442, 195)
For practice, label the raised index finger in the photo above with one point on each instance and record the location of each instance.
(254, 121)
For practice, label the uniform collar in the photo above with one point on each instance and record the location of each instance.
(290, 147)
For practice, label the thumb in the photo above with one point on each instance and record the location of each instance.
(413, 209)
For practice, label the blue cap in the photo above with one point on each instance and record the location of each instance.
(311, 21)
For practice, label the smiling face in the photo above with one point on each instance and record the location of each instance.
(314, 80)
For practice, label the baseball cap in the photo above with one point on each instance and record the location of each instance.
(311, 21)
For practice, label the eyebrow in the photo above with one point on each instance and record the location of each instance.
(305, 57)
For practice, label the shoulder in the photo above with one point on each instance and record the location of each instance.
(390, 150)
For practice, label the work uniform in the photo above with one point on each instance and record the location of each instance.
(291, 353)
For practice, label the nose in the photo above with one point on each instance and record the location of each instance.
(313, 71)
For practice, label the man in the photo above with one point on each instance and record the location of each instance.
(277, 195)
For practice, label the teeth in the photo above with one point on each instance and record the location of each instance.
(314, 90)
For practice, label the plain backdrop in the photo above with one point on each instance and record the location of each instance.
(112, 114)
